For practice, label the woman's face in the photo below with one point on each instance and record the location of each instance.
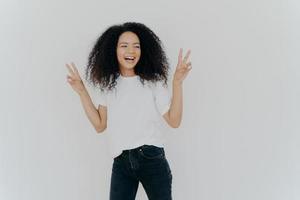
(128, 51)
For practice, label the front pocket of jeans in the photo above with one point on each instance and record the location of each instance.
(151, 152)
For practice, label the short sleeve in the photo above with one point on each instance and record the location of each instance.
(102, 98)
(162, 98)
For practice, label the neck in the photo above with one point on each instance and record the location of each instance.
(127, 73)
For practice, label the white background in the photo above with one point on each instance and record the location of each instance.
(239, 138)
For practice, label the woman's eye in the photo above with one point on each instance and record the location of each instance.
(126, 46)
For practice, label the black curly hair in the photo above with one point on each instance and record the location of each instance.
(103, 67)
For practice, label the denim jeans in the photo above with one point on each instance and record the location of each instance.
(146, 164)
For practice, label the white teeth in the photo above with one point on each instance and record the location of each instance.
(129, 57)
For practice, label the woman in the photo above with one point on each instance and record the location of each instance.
(130, 66)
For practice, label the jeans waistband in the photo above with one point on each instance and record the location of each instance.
(138, 148)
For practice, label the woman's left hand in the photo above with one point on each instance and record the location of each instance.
(183, 67)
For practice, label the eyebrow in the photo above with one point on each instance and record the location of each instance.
(127, 43)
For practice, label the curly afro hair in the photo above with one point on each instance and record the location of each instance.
(103, 67)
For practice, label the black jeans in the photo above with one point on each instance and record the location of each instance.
(146, 164)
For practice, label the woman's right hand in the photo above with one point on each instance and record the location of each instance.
(74, 78)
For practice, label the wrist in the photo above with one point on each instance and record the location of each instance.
(177, 83)
(82, 92)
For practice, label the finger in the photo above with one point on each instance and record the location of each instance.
(189, 64)
(180, 56)
(186, 66)
(186, 73)
(180, 70)
(186, 56)
(70, 69)
(69, 78)
(74, 68)
(69, 81)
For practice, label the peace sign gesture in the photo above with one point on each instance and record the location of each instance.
(183, 67)
(74, 78)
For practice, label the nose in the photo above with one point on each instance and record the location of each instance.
(130, 49)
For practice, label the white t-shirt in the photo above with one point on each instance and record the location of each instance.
(134, 113)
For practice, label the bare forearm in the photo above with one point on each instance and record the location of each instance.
(183, 67)
(175, 112)
(90, 109)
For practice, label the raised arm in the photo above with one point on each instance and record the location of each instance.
(174, 115)
(97, 117)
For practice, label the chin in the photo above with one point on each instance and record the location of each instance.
(130, 66)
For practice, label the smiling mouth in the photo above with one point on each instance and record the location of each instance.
(130, 59)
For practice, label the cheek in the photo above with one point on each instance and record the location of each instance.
(119, 54)
(138, 53)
